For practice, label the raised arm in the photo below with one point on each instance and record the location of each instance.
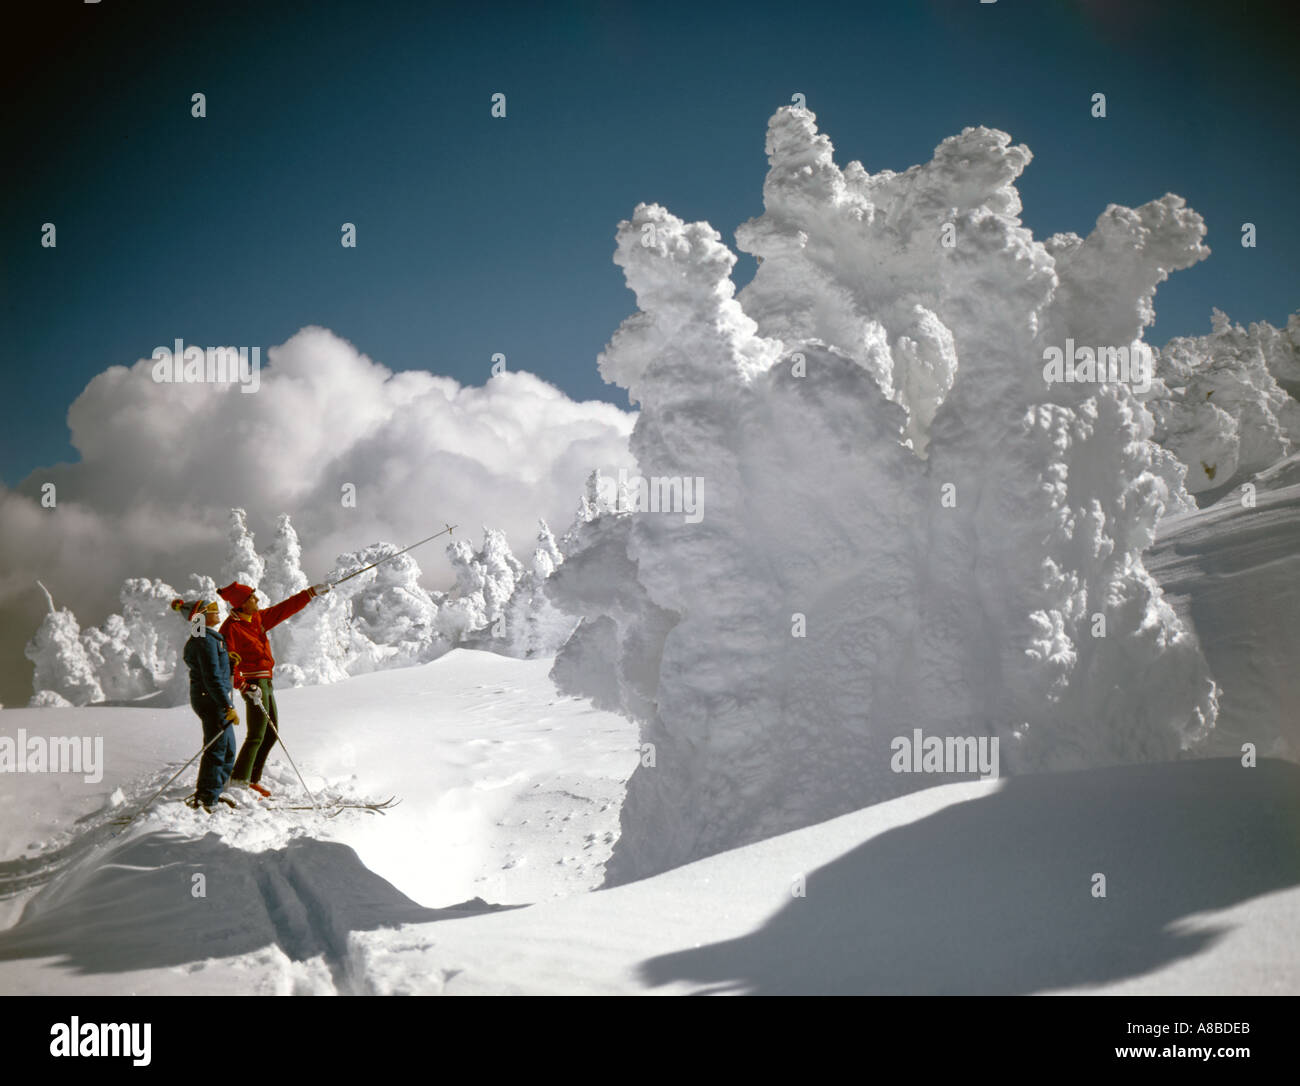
(273, 616)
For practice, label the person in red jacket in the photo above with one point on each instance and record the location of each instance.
(245, 634)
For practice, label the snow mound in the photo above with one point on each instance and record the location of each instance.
(897, 521)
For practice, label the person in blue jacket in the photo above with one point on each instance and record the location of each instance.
(212, 698)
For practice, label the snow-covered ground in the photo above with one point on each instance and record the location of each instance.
(509, 793)
(962, 889)
(510, 796)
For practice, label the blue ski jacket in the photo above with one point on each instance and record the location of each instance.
(209, 665)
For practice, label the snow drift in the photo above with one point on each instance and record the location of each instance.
(904, 525)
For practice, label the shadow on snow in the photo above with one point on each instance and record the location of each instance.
(134, 907)
(995, 895)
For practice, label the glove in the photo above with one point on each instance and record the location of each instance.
(320, 589)
(254, 694)
(232, 717)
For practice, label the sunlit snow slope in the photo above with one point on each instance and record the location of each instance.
(509, 793)
(510, 796)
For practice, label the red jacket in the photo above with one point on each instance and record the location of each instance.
(246, 637)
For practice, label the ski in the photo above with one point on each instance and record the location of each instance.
(336, 808)
(330, 808)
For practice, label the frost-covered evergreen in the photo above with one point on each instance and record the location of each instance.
(282, 574)
(282, 577)
(902, 523)
(500, 605)
(547, 555)
(485, 581)
(1220, 401)
(391, 612)
(243, 563)
(65, 673)
(121, 673)
(155, 636)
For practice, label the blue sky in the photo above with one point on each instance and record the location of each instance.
(478, 235)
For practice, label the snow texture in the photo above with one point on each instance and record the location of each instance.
(904, 525)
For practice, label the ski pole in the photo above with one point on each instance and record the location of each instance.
(127, 821)
(446, 531)
(271, 724)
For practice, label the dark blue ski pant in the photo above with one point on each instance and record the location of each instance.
(219, 759)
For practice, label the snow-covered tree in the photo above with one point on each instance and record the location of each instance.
(62, 666)
(156, 634)
(485, 581)
(120, 671)
(901, 523)
(282, 570)
(547, 555)
(1218, 402)
(282, 577)
(500, 605)
(318, 645)
(243, 563)
(391, 609)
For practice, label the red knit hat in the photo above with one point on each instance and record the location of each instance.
(235, 594)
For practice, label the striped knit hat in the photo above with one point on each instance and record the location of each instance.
(190, 609)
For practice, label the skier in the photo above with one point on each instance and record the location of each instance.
(212, 698)
(245, 633)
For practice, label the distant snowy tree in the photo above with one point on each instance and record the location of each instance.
(62, 666)
(156, 634)
(282, 575)
(500, 605)
(1219, 404)
(318, 645)
(536, 627)
(497, 602)
(243, 564)
(392, 611)
(593, 503)
(485, 581)
(547, 555)
(383, 618)
(120, 671)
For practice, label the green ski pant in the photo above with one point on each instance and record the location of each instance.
(260, 738)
